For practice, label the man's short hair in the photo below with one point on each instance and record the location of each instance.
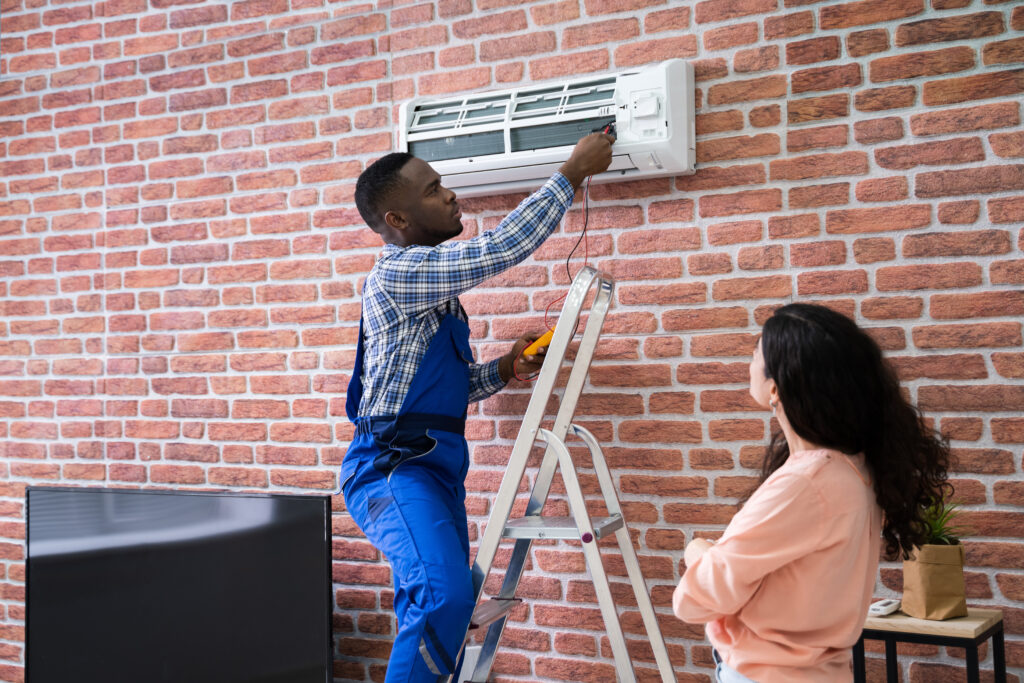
(377, 183)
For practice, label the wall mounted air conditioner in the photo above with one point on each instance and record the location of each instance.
(513, 140)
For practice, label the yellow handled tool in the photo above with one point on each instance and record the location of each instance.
(544, 340)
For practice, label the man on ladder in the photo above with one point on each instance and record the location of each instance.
(403, 475)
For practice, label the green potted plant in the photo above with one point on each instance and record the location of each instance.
(933, 575)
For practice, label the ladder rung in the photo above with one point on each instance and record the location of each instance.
(536, 526)
(492, 610)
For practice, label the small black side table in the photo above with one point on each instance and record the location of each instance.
(967, 632)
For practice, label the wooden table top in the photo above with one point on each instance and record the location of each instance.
(974, 624)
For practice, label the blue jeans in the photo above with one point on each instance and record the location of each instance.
(725, 673)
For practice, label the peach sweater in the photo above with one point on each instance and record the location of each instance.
(786, 589)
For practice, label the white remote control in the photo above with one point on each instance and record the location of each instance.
(883, 607)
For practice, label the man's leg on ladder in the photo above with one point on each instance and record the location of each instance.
(413, 518)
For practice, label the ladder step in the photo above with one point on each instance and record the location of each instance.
(492, 610)
(535, 526)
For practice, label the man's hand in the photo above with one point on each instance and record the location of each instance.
(526, 365)
(592, 154)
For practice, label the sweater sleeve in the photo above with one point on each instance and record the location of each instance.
(782, 521)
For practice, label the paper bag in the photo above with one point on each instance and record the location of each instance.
(933, 582)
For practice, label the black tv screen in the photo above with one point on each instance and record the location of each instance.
(130, 586)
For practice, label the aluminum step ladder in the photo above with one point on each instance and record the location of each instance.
(579, 525)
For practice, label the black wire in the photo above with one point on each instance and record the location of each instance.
(586, 219)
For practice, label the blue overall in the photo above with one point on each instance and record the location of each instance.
(404, 486)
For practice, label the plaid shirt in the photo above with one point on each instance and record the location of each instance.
(410, 290)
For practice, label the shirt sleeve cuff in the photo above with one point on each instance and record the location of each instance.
(488, 381)
(490, 377)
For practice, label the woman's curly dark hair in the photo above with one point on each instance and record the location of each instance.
(840, 393)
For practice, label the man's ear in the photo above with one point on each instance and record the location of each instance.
(395, 220)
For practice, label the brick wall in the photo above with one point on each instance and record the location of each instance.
(180, 257)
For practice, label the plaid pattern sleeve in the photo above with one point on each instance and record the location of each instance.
(484, 380)
(411, 289)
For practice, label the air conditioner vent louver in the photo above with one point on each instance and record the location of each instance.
(510, 140)
(555, 134)
(474, 145)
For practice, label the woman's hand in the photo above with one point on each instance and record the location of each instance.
(694, 549)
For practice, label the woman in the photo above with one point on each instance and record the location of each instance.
(786, 589)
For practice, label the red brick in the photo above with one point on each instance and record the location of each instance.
(643, 52)
(804, 225)
(817, 138)
(767, 87)
(788, 25)
(960, 212)
(704, 318)
(882, 219)
(1007, 145)
(919, 64)
(980, 117)
(719, 149)
(972, 243)
(933, 276)
(771, 257)
(889, 308)
(957, 27)
(752, 201)
(1007, 272)
(810, 196)
(720, 10)
(713, 178)
(862, 43)
(1007, 429)
(981, 305)
(882, 189)
(946, 152)
(812, 50)
(826, 78)
(730, 36)
(766, 287)
(986, 179)
(867, 12)
(819, 165)
(1003, 52)
(1008, 210)
(832, 282)
(981, 86)
(880, 99)
(818, 108)
(592, 33)
(968, 336)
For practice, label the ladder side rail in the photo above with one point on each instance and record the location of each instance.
(504, 500)
(629, 557)
(508, 590)
(549, 463)
(584, 357)
(573, 389)
(592, 554)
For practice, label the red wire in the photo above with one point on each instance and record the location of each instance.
(586, 260)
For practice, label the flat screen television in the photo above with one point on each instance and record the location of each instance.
(125, 586)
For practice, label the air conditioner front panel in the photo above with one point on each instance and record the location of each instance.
(505, 141)
(532, 174)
